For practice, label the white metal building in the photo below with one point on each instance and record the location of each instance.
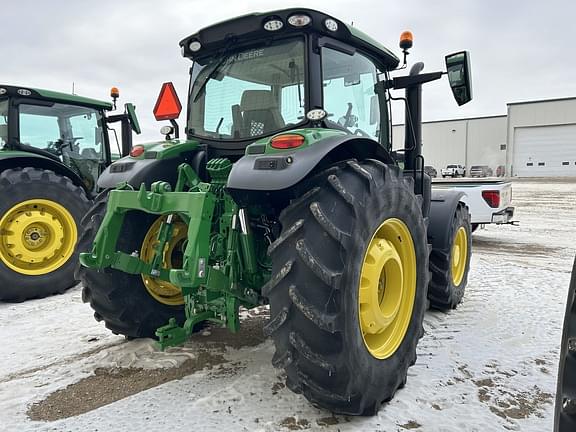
(542, 138)
(535, 139)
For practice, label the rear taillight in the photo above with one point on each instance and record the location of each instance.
(137, 151)
(492, 198)
(287, 141)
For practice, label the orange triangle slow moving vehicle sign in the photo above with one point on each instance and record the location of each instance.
(168, 106)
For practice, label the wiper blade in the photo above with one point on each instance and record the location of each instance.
(213, 68)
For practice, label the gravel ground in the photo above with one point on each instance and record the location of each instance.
(490, 365)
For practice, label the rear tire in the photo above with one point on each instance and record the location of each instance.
(565, 409)
(448, 282)
(120, 299)
(314, 290)
(50, 208)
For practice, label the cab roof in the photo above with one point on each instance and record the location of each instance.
(250, 28)
(49, 95)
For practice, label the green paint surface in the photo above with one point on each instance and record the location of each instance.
(79, 100)
(166, 149)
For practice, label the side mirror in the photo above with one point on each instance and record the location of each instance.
(131, 112)
(129, 123)
(458, 67)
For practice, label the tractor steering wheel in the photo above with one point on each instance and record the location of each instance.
(55, 147)
(348, 120)
(58, 146)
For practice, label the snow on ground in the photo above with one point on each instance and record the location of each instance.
(490, 365)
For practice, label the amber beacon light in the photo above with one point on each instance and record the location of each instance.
(406, 40)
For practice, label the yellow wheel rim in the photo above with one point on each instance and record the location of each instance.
(163, 291)
(459, 256)
(37, 237)
(387, 288)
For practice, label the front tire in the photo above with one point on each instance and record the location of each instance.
(450, 266)
(353, 250)
(40, 213)
(120, 299)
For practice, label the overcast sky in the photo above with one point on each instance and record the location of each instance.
(520, 50)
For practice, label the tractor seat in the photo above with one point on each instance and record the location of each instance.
(259, 113)
(90, 153)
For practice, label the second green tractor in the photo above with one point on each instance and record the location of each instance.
(53, 147)
(286, 191)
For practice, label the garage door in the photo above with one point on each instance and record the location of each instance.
(545, 151)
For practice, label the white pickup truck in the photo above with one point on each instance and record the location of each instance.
(488, 200)
(453, 171)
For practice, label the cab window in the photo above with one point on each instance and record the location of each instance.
(349, 96)
(248, 93)
(36, 128)
(61, 128)
(72, 133)
(3, 123)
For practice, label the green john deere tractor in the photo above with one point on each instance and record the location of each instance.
(286, 192)
(53, 147)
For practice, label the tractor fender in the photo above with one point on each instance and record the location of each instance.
(137, 171)
(277, 171)
(17, 159)
(443, 204)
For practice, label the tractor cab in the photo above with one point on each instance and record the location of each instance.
(69, 130)
(260, 75)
